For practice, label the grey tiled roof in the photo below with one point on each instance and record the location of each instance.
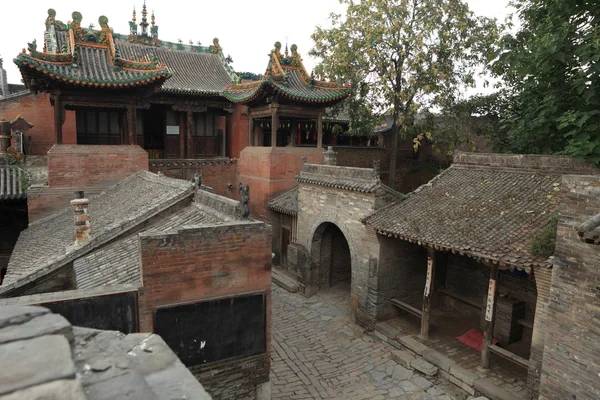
(365, 180)
(118, 262)
(492, 213)
(286, 203)
(192, 72)
(295, 88)
(48, 243)
(589, 231)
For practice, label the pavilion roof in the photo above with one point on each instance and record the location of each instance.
(286, 76)
(103, 59)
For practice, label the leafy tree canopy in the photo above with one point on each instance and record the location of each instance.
(402, 54)
(551, 71)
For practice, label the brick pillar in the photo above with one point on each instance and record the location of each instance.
(82, 219)
(543, 281)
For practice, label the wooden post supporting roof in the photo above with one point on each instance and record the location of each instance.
(182, 132)
(320, 131)
(58, 118)
(189, 151)
(251, 140)
(131, 124)
(490, 306)
(274, 126)
(428, 293)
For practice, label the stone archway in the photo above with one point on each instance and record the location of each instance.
(330, 256)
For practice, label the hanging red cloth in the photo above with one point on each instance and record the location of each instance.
(299, 135)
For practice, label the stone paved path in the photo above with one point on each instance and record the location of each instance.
(319, 353)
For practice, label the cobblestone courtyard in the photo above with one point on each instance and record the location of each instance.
(319, 353)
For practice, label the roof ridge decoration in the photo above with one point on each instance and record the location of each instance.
(63, 66)
(143, 37)
(287, 75)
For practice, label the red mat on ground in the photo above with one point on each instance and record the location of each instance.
(474, 339)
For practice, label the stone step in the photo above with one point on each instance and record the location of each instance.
(284, 279)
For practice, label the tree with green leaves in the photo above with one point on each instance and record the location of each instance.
(403, 56)
(551, 70)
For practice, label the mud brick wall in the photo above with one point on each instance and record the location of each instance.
(207, 263)
(362, 157)
(80, 166)
(401, 274)
(571, 360)
(37, 110)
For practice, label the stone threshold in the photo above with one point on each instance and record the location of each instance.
(284, 279)
(448, 369)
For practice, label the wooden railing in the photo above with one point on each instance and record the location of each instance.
(13, 183)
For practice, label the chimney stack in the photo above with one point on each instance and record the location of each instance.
(81, 217)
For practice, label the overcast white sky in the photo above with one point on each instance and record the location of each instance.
(247, 29)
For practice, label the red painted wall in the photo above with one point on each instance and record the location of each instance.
(237, 131)
(37, 110)
(270, 171)
(90, 165)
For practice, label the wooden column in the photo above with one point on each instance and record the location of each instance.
(428, 293)
(189, 151)
(131, 125)
(490, 307)
(182, 132)
(58, 119)
(294, 133)
(224, 142)
(320, 130)
(251, 141)
(274, 126)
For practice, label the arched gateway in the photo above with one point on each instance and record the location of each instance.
(318, 234)
(330, 254)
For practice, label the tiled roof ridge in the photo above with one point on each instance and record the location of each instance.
(541, 162)
(107, 234)
(217, 206)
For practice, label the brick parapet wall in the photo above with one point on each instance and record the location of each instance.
(206, 263)
(218, 173)
(76, 166)
(37, 110)
(572, 324)
(555, 164)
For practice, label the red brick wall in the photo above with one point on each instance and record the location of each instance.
(78, 166)
(204, 263)
(270, 171)
(208, 263)
(237, 131)
(37, 110)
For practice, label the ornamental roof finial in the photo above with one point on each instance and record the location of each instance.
(144, 24)
(133, 18)
(152, 18)
(286, 47)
